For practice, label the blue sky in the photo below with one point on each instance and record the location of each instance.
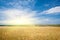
(29, 11)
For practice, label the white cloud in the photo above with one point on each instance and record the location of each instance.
(46, 21)
(19, 17)
(52, 10)
(43, 21)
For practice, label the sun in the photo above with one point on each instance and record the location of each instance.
(21, 21)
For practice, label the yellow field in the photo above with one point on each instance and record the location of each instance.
(29, 33)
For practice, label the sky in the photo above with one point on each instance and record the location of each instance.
(26, 12)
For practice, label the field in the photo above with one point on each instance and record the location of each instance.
(29, 33)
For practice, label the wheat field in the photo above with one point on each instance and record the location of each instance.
(29, 33)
